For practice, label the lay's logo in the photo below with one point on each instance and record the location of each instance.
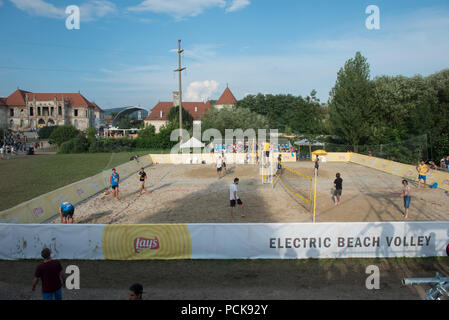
(146, 244)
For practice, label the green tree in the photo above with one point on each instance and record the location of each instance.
(45, 132)
(233, 118)
(63, 133)
(125, 123)
(351, 104)
(148, 132)
(187, 119)
(286, 112)
(91, 134)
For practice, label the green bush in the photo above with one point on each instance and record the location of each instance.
(148, 132)
(67, 147)
(63, 133)
(91, 134)
(79, 144)
(45, 132)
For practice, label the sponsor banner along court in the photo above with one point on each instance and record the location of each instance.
(225, 241)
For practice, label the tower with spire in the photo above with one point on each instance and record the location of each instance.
(227, 99)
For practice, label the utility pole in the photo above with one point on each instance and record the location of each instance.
(180, 89)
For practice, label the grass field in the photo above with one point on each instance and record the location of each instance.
(26, 177)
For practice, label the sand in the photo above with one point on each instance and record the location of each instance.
(194, 194)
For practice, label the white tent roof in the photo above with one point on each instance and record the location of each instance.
(192, 143)
(305, 142)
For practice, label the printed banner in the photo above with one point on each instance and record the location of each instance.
(226, 241)
(322, 240)
(402, 170)
(26, 241)
(140, 242)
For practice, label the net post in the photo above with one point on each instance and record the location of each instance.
(314, 195)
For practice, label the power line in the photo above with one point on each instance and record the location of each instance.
(65, 46)
(47, 69)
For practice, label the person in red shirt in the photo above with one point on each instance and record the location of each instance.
(51, 273)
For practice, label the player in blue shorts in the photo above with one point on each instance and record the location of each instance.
(114, 180)
(66, 211)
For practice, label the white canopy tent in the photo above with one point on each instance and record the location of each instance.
(305, 142)
(309, 143)
(192, 143)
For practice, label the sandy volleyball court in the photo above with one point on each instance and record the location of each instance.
(194, 194)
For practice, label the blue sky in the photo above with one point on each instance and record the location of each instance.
(123, 53)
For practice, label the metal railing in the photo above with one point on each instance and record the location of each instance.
(440, 285)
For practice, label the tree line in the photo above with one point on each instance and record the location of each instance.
(361, 112)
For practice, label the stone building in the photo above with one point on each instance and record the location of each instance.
(158, 115)
(27, 110)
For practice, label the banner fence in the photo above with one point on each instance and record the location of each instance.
(225, 241)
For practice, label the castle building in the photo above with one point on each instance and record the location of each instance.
(24, 110)
(158, 115)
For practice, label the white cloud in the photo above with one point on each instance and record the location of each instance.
(180, 9)
(89, 11)
(237, 5)
(39, 8)
(96, 9)
(1, 3)
(200, 90)
(415, 43)
(201, 51)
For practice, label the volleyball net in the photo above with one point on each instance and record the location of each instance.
(296, 183)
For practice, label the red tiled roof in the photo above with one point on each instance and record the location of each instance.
(17, 98)
(201, 108)
(3, 102)
(227, 97)
(76, 99)
(96, 108)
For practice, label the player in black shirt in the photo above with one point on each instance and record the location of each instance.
(142, 178)
(338, 187)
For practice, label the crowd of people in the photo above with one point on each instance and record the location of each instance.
(246, 147)
(11, 144)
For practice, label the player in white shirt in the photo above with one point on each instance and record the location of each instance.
(223, 160)
(219, 166)
(233, 197)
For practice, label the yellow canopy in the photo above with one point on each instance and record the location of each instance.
(319, 152)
